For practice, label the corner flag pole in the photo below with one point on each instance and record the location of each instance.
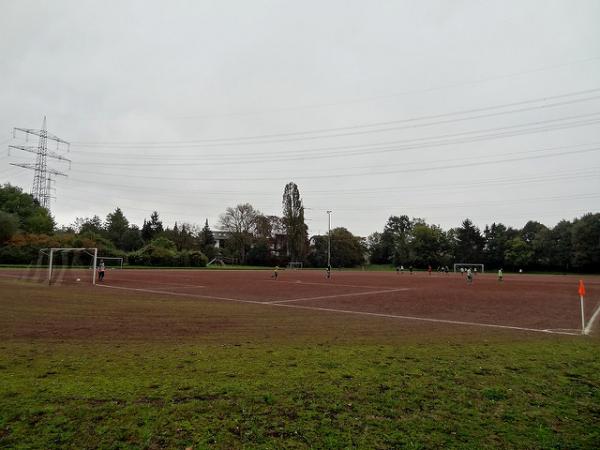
(581, 295)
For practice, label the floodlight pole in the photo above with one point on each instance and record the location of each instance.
(329, 239)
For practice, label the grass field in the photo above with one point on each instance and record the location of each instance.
(212, 360)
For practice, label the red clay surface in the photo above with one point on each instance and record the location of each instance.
(537, 302)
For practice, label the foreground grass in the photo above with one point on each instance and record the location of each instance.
(525, 395)
(156, 373)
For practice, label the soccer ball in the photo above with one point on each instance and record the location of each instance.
(78, 279)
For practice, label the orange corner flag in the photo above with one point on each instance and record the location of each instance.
(581, 289)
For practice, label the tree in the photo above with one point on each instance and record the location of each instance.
(116, 226)
(184, 236)
(240, 221)
(132, 239)
(88, 225)
(586, 242)
(496, 239)
(207, 241)
(293, 221)
(468, 243)
(9, 224)
(537, 237)
(393, 245)
(347, 250)
(428, 246)
(377, 251)
(260, 253)
(32, 217)
(518, 253)
(152, 228)
(562, 245)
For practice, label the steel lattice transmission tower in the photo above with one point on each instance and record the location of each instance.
(42, 176)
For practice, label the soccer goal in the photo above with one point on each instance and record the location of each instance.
(478, 267)
(111, 262)
(70, 265)
(294, 265)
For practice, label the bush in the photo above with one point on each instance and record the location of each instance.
(192, 258)
(161, 252)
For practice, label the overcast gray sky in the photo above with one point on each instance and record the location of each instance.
(436, 109)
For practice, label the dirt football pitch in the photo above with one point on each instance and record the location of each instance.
(152, 358)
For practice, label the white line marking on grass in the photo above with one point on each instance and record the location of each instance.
(588, 328)
(423, 319)
(322, 297)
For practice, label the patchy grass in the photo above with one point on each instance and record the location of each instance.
(278, 379)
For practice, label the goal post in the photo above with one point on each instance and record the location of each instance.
(480, 267)
(295, 265)
(71, 264)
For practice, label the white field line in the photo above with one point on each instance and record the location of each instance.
(424, 319)
(343, 311)
(588, 327)
(175, 285)
(329, 284)
(180, 294)
(322, 297)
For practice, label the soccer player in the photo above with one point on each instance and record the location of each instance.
(328, 271)
(469, 276)
(101, 269)
(410, 269)
(500, 274)
(429, 269)
(275, 272)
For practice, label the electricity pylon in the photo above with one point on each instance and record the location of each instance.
(41, 189)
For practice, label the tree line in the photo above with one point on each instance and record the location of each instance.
(568, 246)
(254, 238)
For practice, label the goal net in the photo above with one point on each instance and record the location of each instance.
(69, 265)
(294, 265)
(475, 267)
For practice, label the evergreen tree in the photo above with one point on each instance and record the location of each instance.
(293, 221)
(468, 243)
(207, 238)
(116, 226)
(152, 228)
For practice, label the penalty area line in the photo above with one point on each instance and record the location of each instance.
(424, 319)
(345, 311)
(332, 284)
(323, 297)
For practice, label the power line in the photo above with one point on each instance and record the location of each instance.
(401, 94)
(261, 138)
(398, 145)
(338, 175)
